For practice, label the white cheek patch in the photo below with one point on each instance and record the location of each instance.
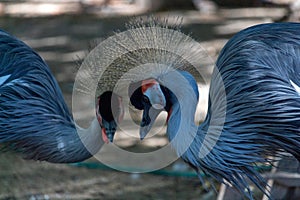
(297, 88)
(156, 96)
(4, 78)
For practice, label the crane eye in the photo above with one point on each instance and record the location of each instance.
(146, 99)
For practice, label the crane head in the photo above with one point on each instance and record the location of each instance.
(110, 112)
(147, 95)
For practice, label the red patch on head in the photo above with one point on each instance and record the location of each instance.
(148, 83)
(169, 115)
(99, 118)
(104, 136)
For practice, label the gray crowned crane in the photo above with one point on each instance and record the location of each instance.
(34, 118)
(253, 110)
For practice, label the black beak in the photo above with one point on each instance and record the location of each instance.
(146, 118)
(108, 106)
(139, 97)
(149, 116)
(110, 128)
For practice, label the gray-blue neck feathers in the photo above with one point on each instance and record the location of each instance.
(34, 118)
(261, 109)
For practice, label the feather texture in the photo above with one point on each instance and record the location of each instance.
(34, 118)
(260, 106)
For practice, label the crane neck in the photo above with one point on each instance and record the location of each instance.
(181, 128)
(91, 136)
(71, 143)
(183, 100)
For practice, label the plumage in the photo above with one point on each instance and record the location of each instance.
(34, 118)
(253, 111)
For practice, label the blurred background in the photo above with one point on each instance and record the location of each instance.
(63, 31)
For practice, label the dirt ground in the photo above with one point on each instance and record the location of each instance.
(64, 40)
(20, 179)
